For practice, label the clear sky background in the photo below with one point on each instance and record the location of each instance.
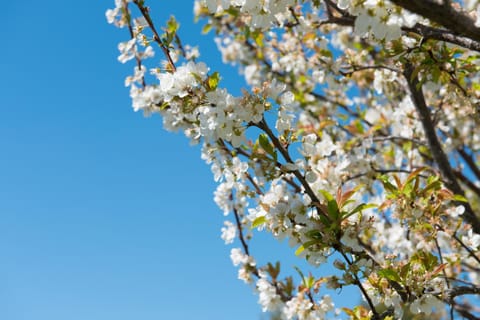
(103, 215)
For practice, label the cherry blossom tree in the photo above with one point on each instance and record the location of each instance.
(357, 141)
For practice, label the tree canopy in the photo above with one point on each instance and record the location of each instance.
(356, 141)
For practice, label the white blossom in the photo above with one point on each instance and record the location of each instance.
(425, 304)
(229, 232)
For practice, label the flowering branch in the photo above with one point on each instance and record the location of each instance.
(434, 144)
(145, 12)
(264, 126)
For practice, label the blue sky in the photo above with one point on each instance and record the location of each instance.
(103, 215)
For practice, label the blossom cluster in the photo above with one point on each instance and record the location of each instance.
(260, 14)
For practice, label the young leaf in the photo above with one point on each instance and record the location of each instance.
(389, 274)
(459, 197)
(332, 206)
(258, 221)
(360, 208)
(414, 174)
(265, 144)
(213, 81)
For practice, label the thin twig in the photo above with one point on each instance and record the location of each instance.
(362, 289)
(464, 246)
(132, 36)
(240, 229)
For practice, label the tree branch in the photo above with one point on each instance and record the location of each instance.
(424, 31)
(443, 35)
(444, 15)
(469, 184)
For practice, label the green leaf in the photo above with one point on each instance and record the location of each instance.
(314, 234)
(309, 282)
(213, 81)
(164, 106)
(258, 37)
(206, 28)
(435, 184)
(333, 209)
(459, 197)
(349, 312)
(415, 72)
(232, 11)
(387, 184)
(359, 127)
(360, 208)
(299, 250)
(306, 245)
(326, 195)
(414, 174)
(258, 221)
(407, 189)
(405, 270)
(389, 274)
(347, 202)
(266, 145)
(332, 206)
(426, 259)
(300, 273)
(172, 25)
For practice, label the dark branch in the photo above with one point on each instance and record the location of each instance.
(422, 30)
(467, 182)
(469, 161)
(443, 35)
(240, 230)
(445, 15)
